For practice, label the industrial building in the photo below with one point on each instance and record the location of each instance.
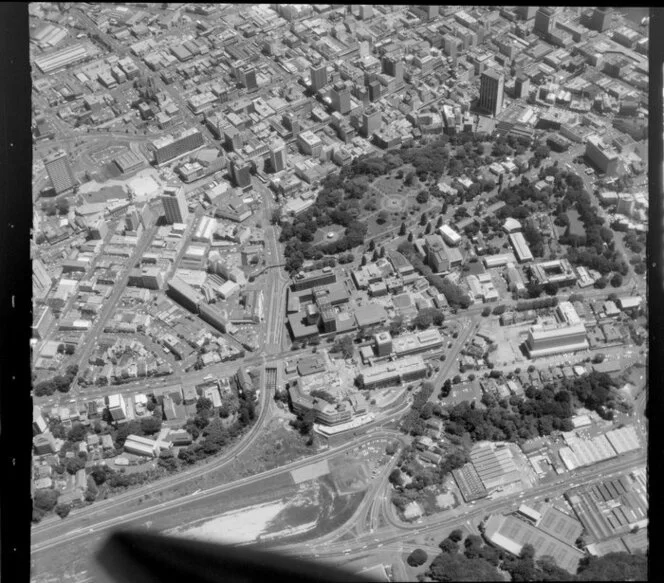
(469, 483)
(511, 534)
(545, 340)
(51, 62)
(585, 452)
(495, 465)
(611, 507)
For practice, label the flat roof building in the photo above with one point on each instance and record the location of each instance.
(557, 271)
(521, 249)
(171, 147)
(312, 279)
(450, 236)
(492, 86)
(545, 340)
(175, 204)
(393, 372)
(413, 343)
(602, 156)
(60, 172)
(511, 534)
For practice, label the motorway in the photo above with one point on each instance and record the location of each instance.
(462, 516)
(80, 524)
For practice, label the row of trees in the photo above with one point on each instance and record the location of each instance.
(477, 561)
(61, 383)
(536, 304)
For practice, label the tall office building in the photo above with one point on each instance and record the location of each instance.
(278, 155)
(371, 121)
(374, 90)
(430, 11)
(233, 138)
(60, 172)
(600, 19)
(545, 20)
(393, 66)
(340, 96)
(318, 77)
(175, 204)
(526, 12)
(366, 11)
(247, 78)
(521, 86)
(240, 172)
(292, 123)
(491, 91)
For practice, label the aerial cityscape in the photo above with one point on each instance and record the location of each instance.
(362, 285)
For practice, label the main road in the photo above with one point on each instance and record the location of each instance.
(78, 526)
(397, 531)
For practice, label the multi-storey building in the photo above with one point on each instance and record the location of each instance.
(371, 121)
(393, 372)
(545, 340)
(117, 407)
(241, 172)
(175, 204)
(340, 96)
(545, 20)
(491, 92)
(313, 279)
(170, 148)
(601, 155)
(318, 77)
(60, 172)
(278, 155)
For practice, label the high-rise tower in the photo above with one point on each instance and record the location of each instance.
(491, 92)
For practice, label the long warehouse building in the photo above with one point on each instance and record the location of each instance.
(62, 58)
